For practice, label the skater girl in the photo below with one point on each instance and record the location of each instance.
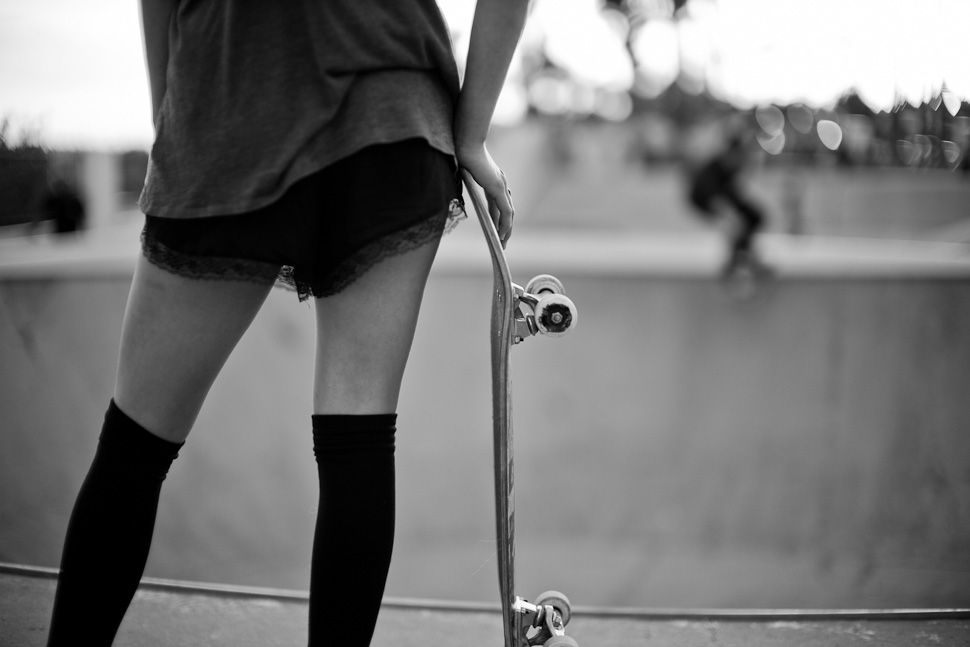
(314, 143)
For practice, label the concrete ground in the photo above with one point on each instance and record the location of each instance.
(180, 613)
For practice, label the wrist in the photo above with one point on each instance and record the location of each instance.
(465, 143)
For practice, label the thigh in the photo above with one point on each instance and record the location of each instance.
(364, 335)
(178, 333)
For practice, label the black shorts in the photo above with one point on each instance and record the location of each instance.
(327, 230)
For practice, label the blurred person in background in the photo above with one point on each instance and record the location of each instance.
(716, 192)
(63, 206)
(316, 143)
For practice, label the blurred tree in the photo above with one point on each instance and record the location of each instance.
(23, 175)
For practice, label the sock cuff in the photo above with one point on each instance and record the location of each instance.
(134, 447)
(353, 433)
(347, 422)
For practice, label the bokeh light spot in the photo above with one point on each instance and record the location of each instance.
(770, 118)
(907, 152)
(656, 49)
(772, 144)
(801, 118)
(951, 102)
(830, 133)
(613, 106)
(550, 94)
(951, 152)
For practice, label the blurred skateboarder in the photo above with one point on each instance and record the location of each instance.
(63, 206)
(716, 192)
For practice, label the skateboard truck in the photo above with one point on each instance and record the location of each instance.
(548, 617)
(525, 320)
(541, 307)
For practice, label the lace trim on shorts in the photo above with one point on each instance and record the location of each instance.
(204, 267)
(357, 264)
(302, 282)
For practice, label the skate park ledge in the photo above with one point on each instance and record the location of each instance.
(112, 252)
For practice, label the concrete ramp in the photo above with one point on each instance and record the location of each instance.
(806, 448)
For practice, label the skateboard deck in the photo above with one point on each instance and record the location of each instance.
(517, 313)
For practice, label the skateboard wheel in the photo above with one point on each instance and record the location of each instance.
(555, 315)
(557, 601)
(544, 283)
(560, 641)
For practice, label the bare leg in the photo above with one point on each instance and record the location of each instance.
(178, 334)
(364, 336)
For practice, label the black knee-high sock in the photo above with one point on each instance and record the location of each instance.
(109, 532)
(355, 526)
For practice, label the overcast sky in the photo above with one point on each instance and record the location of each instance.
(74, 69)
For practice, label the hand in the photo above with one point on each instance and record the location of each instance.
(477, 161)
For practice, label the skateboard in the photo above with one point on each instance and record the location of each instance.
(517, 314)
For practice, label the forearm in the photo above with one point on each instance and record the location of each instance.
(156, 16)
(496, 30)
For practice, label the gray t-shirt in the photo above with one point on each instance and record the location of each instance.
(260, 94)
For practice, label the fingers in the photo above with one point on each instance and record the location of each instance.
(501, 210)
(498, 196)
(501, 223)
